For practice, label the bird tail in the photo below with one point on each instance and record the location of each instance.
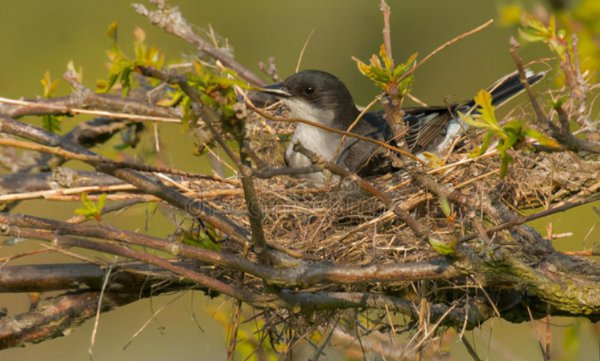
(510, 86)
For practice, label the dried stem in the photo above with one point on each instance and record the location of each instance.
(171, 20)
(56, 106)
(445, 45)
(387, 33)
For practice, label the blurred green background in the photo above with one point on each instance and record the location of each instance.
(45, 35)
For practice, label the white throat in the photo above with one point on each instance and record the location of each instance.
(302, 109)
(320, 141)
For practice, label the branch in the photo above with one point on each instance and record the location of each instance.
(143, 182)
(387, 34)
(67, 276)
(101, 161)
(51, 318)
(171, 20)
(524, 219)
(563, 134)
(73, 105)
(445, 45)
(302, 273)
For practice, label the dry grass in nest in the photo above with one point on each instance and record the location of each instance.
(343, 224)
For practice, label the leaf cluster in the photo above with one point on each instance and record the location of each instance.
(217, 90)
(50, 122)
(385, 75)
(215, 84)
(121, 68)
(580, 17)
(91, 209)
(508, 135)
(533, 30)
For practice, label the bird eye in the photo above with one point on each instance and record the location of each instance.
(309, 90)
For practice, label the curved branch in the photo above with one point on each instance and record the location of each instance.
(171, 20)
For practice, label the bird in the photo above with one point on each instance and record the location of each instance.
(321, 97)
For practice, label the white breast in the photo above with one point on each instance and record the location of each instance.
(319, 141)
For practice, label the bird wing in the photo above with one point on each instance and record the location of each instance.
(363, 157)
(425, 125)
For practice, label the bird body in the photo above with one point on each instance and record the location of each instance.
(321, 97)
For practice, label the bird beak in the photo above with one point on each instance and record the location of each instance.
(277, 90)
(267, 96)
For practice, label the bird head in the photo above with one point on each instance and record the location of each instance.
(315, 95)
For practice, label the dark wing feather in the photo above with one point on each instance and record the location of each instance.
(425, 125)
(363, 157)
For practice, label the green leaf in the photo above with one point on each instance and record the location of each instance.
(505, 159)
(384, 75)
(91, 210)
(531, 35)
(51, 123)
(485, 144)
(442, 247)
(559, 102)
(542, 138)
(533, 29)
(445, 206)
(473, 122)
(48, 85)
(386, 59)
(121, 68)
(78, 72)
(487, 113)
(113, 31)
(174, 98)
(375, 62)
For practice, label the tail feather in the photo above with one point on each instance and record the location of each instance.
(510, 86)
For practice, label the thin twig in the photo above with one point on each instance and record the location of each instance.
(524, 219)
(65, 191)
(201, 111)
(233, 334)
(445, 45)
(255, 214)
(324, 340)
(273, 172)
(142, 181)
(53, 108)
(95, 159)
(470, 349)
(563, 133)
(387, 34)
(355, 122)
(97, 318)
(304, 49)
(171, 20)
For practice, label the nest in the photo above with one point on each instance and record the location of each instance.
(341, 223)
